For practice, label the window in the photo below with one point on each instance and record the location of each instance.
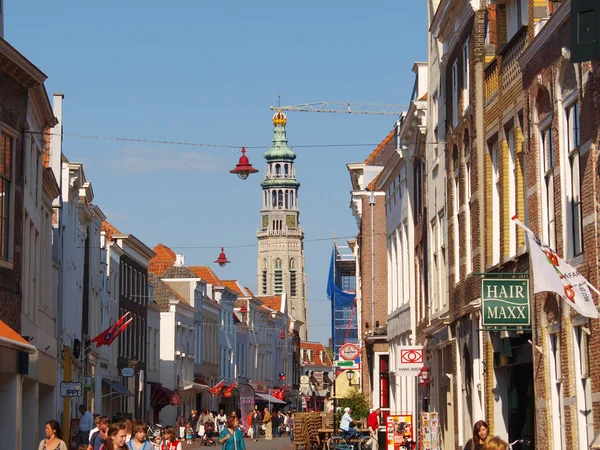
(512, 192)
(495, 217)
(293, 288)
(465, 75)
(572, 141)
(583, 388)
(286, 170)
(264, 278)
(277, 170)
(556, 394)
(517, 15)
(6, 207)
(467, 189)
(280, 199)
(434, 120)
(278, 282)
(455, 93)
(273, 199)
(456, 225)
(443, 263)
(286, 200)
(547, 187)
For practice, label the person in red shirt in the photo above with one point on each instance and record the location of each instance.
(373, 422)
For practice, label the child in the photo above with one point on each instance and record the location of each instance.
(189, 433)
(171, 442)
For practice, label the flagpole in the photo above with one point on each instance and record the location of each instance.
(522, 225)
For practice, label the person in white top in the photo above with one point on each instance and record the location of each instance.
(93, 430)
(221, 420)
(346, 423)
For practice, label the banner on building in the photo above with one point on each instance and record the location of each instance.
(399, 432)
(430, 431)
(246, 403)
(505, 302)
(551, 273)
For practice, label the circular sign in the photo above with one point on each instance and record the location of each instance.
(349, 352)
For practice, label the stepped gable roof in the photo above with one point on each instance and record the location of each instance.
(315, 347)
(109, 229)
(164, 259)
(176, 271)
(271, 301)
(163, 293)
(384, 150)
(206, 274)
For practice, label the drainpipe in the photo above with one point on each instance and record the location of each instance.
(372, 203)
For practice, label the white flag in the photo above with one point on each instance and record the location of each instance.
(551, 273)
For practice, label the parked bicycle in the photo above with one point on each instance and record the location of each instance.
(154, 431)
(358, 441)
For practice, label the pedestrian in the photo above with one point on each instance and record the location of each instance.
(268, 425)
(346, 423)
(53, 440)
(373, 422)
(129, 424)
(138, 441)
(180, 426)
(189, 433)
(480, 436)
(194, 421)
(170, 442)
(201, 420)
(290, 424)
(496, 443)
(99, 436)
(231, 438)
(93, 430)
(275, 424)
(86, 424)
(115, 440)
(256, 419)
(221, 420)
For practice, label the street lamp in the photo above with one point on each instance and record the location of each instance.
(350, 376)
(243, 168)
(424, 379)
(222, 259)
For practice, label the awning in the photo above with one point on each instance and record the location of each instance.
(117, 388)
(192, 386)
(161, 396)
(11, 339)
(269, 398)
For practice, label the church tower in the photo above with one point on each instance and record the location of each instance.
(280, 239)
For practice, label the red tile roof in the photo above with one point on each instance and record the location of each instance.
(271, 301)
(206, 274)
(164, 259)
(371, 186)
(315, 347)
(109, 229)
(380, 148)
(249, 291)
(233, 285)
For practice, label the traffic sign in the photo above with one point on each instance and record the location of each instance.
(127, 371)
(349, 352)
(71, 389)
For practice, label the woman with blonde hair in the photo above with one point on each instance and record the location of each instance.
(496, 443)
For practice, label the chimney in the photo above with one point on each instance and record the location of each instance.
(179, 259)
(56, 139)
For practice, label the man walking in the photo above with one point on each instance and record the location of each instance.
(86, 424)
(373, 424)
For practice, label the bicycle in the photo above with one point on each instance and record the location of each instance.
(154, 431)
(525, 442)
(358, 441)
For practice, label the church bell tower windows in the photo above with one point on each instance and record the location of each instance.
(278, 282)
(293, 289)
(264, 277)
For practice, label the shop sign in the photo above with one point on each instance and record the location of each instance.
(399, 432)
(71, 389)
(349, 352)
(410, 361)
(127, 371)
(505, 302)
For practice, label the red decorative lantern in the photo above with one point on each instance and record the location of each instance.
(424, 379)
(243, 309)
(243, 168)
(282, 335)
(222, 259)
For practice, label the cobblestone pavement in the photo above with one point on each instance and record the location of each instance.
(275, 444)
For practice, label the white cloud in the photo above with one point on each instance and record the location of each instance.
(140, 160)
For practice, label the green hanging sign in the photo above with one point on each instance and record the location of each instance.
(505, 302)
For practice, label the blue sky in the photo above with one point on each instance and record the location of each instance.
(207, 72)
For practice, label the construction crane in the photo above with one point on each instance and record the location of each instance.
(346, 108)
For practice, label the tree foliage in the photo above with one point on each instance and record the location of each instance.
(356, 401)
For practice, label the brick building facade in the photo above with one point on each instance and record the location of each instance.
(561, 123)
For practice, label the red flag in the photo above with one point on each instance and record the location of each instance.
(109, 335)
(228, 391)
(216, 388)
